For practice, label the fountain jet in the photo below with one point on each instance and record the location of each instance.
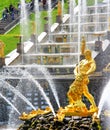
(10, 103)
(16, 92)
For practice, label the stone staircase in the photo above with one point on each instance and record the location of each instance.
(7, 24)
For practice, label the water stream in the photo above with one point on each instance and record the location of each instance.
(79, 28)
(96, 16)
(6, 85)
(24, 25)
(62, 8)
(38, 86)
(49, 78)
(30, 78)
(104, 98)
(83, 15)
(71, 12)
(24, 21)
(14, 108)
(37, 22)
(49, 20)
(108, 14)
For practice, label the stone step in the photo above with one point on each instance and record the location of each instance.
(5, 25)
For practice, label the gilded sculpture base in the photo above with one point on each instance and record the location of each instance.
(34, 113)
(70, 110)
(73, 110)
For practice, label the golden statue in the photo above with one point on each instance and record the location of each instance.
(2, 45)
(59, 8)
(33, 27)
(85, 67)
(79, 88)
(83, 45)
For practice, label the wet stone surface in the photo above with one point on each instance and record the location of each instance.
(48, 122)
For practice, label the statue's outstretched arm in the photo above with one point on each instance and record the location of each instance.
(92, 68)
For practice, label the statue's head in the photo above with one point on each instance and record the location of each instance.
(87, 54)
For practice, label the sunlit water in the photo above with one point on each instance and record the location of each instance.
(49, 78)
(19, 92)
(105, 98)
(8, 128)
(6, 85)
(24, 25)
(16, 73)
(108, 14)
(83, 14)
(96, 16)
(24, 21)
(71, 12)
(9, 103)
(13, 120)
(79, 28)
(37, 22)
(30, 77)
(49, 19)
(62, 8)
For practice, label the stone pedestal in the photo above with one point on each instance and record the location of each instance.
(46, 28)
(108, 35)
(33, 38)
(2, 61)
(59, 39)
(19, 48)
(98, 46)
(59, 19)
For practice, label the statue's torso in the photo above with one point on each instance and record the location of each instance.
(84, 66)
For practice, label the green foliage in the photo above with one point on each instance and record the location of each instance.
(10, 43)
(90, 2)
(6, 3)
(66, 6)
(10, 40)
(76, 2)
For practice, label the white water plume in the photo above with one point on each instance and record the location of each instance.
(83, 14)
(51, 83)
(37, 22)
(108, 14)
(62, 8)
(16, 92)
(71, 11)
(31, 78)
(14, 108)
(24, 25)
(104, 98)
(96, 15)
(49, 19)
(79, 28)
